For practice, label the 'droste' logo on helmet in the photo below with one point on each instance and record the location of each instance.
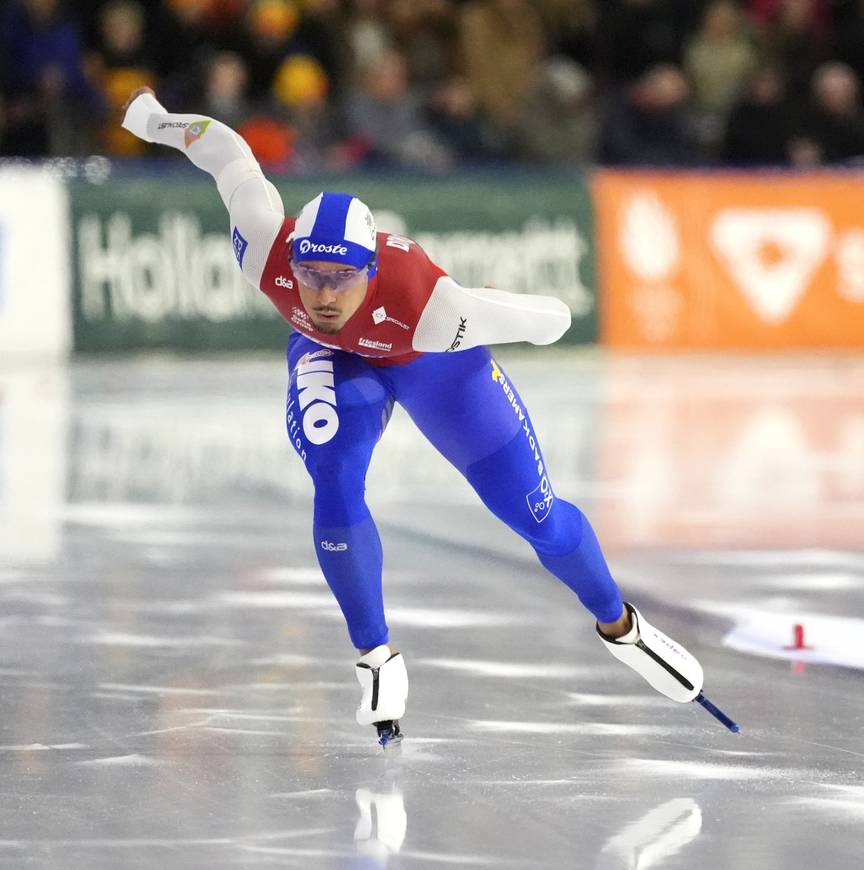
(309, 247)
(336, 227)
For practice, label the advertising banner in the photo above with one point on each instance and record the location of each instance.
(738, 261)
(153, 264)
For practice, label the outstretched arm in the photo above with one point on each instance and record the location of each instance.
(458, 318)
(254, 205)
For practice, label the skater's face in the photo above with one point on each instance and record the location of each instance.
(330, 301)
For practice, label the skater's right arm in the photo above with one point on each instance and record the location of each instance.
(254, 205)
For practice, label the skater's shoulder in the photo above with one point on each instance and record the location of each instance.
(403, 265)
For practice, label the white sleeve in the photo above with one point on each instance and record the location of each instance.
(254, 205)
(458, 318)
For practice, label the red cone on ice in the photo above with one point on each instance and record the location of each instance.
(798, 638)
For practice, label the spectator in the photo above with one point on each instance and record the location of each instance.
(369, 37)
(272, 141)
(270, 27)
(557, 123)
(384, 115)
(718, 61)
(831, 129)
(185, 38)
(427, 32)
(47, 92)
(757, 130)
(323, 33)
(764, 11)
(226, 89)
(792, 42)
(300, 90)
(123, 65)
(455, 120)
(635, 35)
(648, 124)
(502, 41)
(571, 28)
(848, 38)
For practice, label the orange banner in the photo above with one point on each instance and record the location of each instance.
(730, 260)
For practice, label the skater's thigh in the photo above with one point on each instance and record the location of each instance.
(337, 408)
(461, 402)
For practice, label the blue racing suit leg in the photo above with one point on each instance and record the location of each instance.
(467, 407)
(337, 409)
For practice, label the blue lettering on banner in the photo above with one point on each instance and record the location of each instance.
(240, 245)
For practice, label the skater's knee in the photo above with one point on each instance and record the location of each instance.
(340, 472)
(340, 492)
(557, 531)
(560, 533)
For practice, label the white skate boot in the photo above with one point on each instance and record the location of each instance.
(384, 681)
(665, 664)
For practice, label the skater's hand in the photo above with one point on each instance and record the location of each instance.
(135, 94)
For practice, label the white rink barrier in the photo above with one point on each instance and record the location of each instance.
(35, 314)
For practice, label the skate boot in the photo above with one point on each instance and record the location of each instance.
(384, 681)
(665, 664)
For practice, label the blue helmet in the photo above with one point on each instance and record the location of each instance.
(337, 228)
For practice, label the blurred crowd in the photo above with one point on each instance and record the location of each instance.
(434, 84)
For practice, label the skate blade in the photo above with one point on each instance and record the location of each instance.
(718, 714)
(389, 734)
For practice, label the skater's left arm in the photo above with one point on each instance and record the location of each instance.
(459, 318)
(253, 203)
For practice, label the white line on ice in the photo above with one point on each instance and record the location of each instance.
(41, 747)
(288, 659)
(157, 690)
(422, 617)
(133, 760)
(277, 599)
(593, 728)
(294, 577)
(817, 581)
(116, 638)
(243, 731)
(779, 558)
(593, 700)
(541, 670)
(677, 770)
(309, 792)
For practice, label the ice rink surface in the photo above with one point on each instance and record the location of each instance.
(178, 688)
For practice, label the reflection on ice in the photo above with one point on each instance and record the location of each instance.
(34, 408)
(382, 823)
(657, 836)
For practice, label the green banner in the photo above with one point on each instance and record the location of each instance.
(153, 265)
